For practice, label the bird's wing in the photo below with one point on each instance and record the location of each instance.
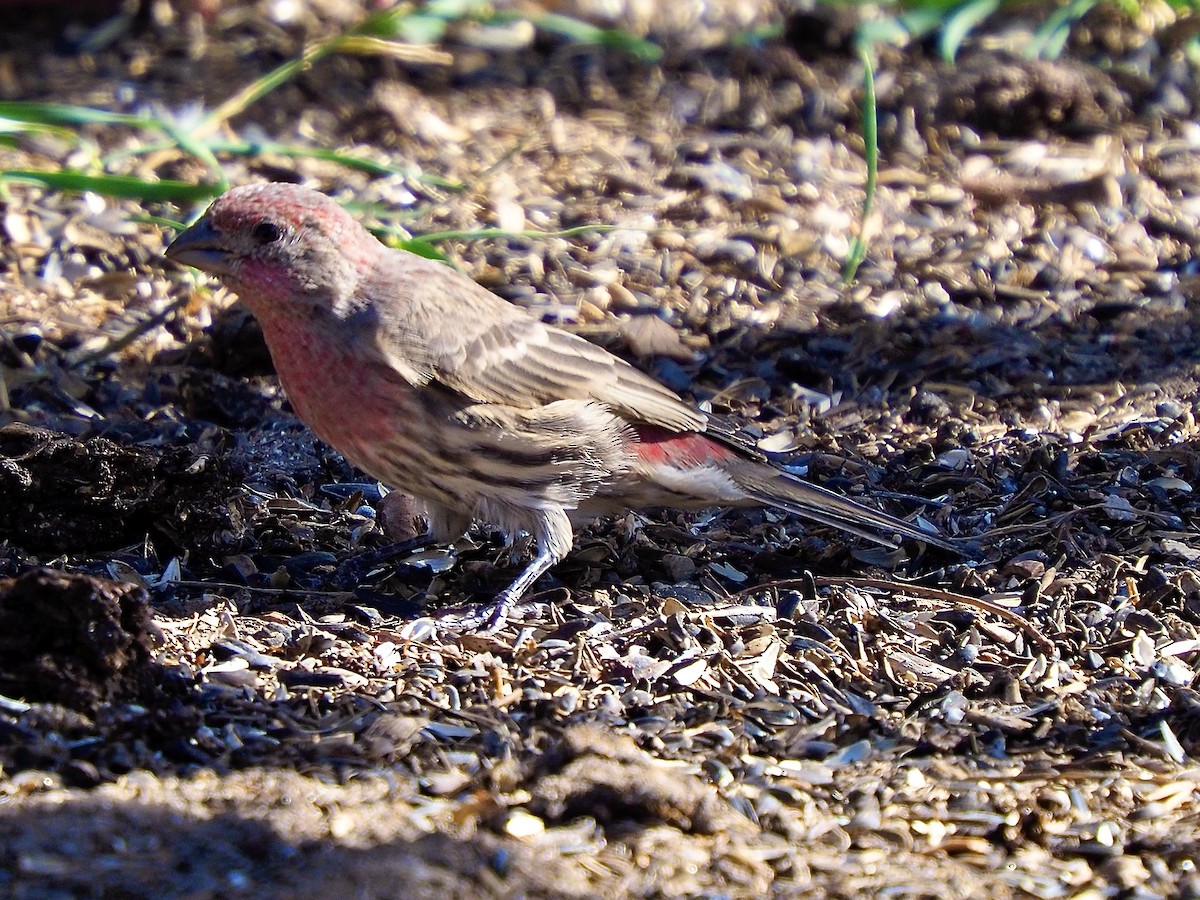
(453, 331)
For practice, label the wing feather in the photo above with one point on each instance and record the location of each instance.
(452, 331)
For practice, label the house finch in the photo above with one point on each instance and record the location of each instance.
(439, 388)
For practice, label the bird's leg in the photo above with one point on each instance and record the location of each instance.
(552, 532)
(489, 618)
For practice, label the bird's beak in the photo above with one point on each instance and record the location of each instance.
(200, 246)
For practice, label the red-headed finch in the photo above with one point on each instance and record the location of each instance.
(439, 388)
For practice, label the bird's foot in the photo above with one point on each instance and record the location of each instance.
(485, 618)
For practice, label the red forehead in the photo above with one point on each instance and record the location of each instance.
(279, 202)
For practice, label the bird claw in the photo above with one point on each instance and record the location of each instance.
(484, 618)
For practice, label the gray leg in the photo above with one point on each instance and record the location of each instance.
(490, 618)
(553, 534)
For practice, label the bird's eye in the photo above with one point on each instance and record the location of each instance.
(267, 232)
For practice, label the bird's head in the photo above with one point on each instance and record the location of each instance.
(281, 247)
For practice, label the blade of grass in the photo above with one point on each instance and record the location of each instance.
(858, 246)
(123, 186)
(429, 23)
(425, 244)
(259, 148)
(199, 149)
(902, 29)
(364, 45)
(390, 22)
(349, 160)
(1050, 38)
(418, 248)
(60, 114)
(158, 222)
(586, 33)
(961, 22)
(358, 40)
(16, 127)
(65, 114)
(260, 87)
(437, 237)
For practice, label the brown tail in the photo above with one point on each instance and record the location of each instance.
(776, 487)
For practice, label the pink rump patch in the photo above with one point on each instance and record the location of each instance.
(661, 447)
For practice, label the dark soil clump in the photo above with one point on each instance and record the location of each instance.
(69, 495)
(74, 640)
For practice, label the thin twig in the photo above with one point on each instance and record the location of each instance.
(950, 597)
(121, 341)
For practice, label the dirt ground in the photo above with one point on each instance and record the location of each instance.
(216, 681)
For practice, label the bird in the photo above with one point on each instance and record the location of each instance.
(435, 386)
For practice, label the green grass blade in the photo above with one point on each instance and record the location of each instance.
(419, 248)
(260, 87)
(363, 38)
(1051, 37)
(437, 237)
(390, 22)
(858, 247)
(961, 22)
(199, 149)
(341, 157)
(158, 222)
(65, 114)
(123, 186)
(426, 244)
(902, 29)
(262, 148)
(18, 127)
(586, 33)
(58, 115)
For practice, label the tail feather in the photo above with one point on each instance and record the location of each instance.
(775, 487)
(722, 449)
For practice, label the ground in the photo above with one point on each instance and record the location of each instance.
(215, 681)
